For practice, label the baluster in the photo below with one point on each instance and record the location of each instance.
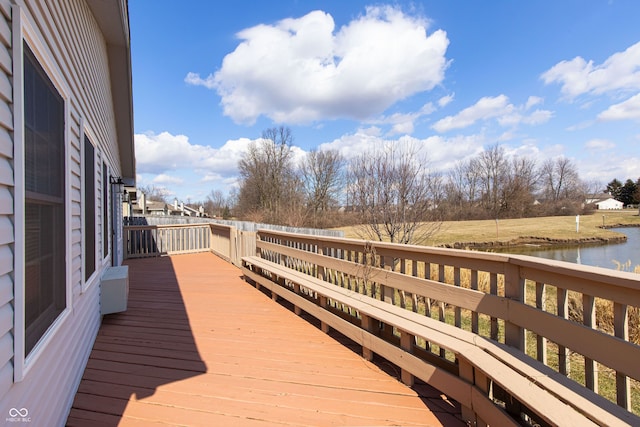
(441, 306)
(562, 311)
(514, 290)
(403, 270)
(474, 314)
(414, 297)
(427, 300)
(493, 290)
(621, 328)
(541, 341)
(457, 310)
(589, 320)
(386, 292)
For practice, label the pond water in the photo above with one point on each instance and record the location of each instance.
(607, 256)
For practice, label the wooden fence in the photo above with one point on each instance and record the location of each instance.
(543, 341)
(141, 241)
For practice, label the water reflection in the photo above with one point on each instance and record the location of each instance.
(607, 256)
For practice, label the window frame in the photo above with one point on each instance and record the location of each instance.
(24, 32)
(106, 211)
(87, 134)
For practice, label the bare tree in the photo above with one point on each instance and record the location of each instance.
(462, 190)
(152, 192)
(392, 195)
(217, 205)
(323, 179)
(560, 179)
(493, 169)
(268, 177)
(561, 186)
(519, 188)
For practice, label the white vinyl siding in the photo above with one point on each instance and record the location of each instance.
(6, 201)
(69, 40)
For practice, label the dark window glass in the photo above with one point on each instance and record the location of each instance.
(105, 211)
(89, 209)
(45, 276)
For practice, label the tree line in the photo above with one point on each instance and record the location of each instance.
(627, 193)
(392, 192)
(393, 189)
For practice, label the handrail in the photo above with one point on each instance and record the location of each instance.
(574, 319)
(226, 241)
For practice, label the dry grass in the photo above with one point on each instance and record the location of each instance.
(510, 230)
(448, 314)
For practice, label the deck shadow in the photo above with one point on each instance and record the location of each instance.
(149, 345)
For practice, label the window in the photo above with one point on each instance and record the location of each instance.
(105, 211)
(89, 209)
(44, 204)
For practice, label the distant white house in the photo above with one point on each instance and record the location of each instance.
(604, 202)
(144, 207)
(66, 151)
(185, 210)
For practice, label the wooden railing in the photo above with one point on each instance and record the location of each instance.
(142, 241)
(560, 326)
(483, 323)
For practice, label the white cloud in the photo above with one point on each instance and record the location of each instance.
(441, 152)
(580, 126)
(599, 145)
(617, 166)
(160, 153)
(619, 72)
(403, 123)
(629, 109)
(538, 117)
(195, 80)
(533, 100)
(167, 179)
(446, 100)
(301, 69)
(485, 108)
(497, 107)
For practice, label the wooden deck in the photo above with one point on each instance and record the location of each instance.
(200, 346)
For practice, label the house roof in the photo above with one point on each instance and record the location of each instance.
(597, 198)
(113, 20)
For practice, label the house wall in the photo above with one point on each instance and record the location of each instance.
(609, 204)
(6, 203)
(74, 46)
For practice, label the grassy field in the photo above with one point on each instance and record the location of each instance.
(520, 231)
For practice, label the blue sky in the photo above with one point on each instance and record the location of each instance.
(542, 78)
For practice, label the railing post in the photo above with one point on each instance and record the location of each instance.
(233, 248)
(465, 371)
(366, 323)
(297, 310)
(322, 302)
(513, 334)
(483, 383)
(406, 343)
(513, 290)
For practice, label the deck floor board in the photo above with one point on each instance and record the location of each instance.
(200, 346)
